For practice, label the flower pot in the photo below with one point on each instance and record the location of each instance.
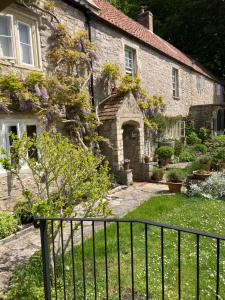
(126, 166)
(157, 176)
(206, 167)
(201, 176)
(175, 187)
(147, 159)
(163, 162)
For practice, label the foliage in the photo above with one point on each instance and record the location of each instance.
(212, 188)
(163, 122)
(193, 138)
(186, 156)
(175, 175)
(193, 166)
(165, 152)
(8, 224)
(200, 148)
(196, 213)
(204, 134)
(157, 170)
(23, 212)
(205, 159)
(62, 95)
(178, 148)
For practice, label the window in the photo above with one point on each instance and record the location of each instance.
(6, 45)
(19, 40)
(218, 89)
(182, 129)
(130, 62)
(10, 127)
(25, 43)
(200, 83)
(175, 81)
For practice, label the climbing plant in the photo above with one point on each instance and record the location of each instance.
(62, 95)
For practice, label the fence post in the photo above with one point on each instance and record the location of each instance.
(45, 258)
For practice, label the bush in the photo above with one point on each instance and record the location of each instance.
(8, 224)
(165, 152)
(193, 166)
(200, 148)
(205, 159)
(178, 148)
(212, 188)
(204, 134)
(175, 175)
(186, 156)
(23, 212)
(193, 139)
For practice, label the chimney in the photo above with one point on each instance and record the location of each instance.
(146, 19)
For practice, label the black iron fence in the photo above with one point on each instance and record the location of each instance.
(130, 259)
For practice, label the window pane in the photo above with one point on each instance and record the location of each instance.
(24, 32)
(6, 47)
(26, 56)
(32, 151)
(5, 25)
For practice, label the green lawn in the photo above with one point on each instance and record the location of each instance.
(177, 210)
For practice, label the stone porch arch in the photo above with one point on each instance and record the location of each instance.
(119, 115)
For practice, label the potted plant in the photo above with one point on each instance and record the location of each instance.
(126, 164)
(201, 174)
(205, 162)
(157, 174)
(175, 180)
(165, 154)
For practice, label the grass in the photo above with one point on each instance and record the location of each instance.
(177, 210)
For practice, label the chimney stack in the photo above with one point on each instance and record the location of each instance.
(146, 19)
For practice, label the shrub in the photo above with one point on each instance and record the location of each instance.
(175, 175)
(165, 152)
(186, 156)
(204, 134)
(212, 188)
(23, 212)
(193, 139)
(205, 159)
(200, 148)
(178, 148)
(8, 224)
(193, 166)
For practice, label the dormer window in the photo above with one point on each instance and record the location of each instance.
(130, 61)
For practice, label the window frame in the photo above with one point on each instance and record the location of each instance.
(13, 57)
(175, 83)
(18, 21)
(200, 83)
(130, 71)
(218, 88)
(31, 21)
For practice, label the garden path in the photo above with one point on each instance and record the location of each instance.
(19, 249)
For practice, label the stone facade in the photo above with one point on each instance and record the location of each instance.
(152, 65)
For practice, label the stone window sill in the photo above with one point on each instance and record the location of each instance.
(176, 98)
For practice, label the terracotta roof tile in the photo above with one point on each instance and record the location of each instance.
(109, 108)
(115, 17)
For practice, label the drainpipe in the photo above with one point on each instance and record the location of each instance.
(91, 86)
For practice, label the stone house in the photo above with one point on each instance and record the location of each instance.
(186, 85)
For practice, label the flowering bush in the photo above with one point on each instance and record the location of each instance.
(212, 188)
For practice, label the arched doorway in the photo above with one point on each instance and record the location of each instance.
(131, 144)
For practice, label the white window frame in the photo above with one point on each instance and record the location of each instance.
(21, 125)
(31, 43)
(218, 89)
(175, 82)
(182, 129)
(12, 37)
(32, 22)
(200, 83)
(130, 70)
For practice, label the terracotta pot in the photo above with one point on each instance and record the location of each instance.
(157, 176)
(126, 166)
(164, 162)
(201, 176)
(206, 167)
(175, 187)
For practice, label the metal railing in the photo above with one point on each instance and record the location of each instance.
(129, 259)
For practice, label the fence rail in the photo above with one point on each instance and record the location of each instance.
(129, 259)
